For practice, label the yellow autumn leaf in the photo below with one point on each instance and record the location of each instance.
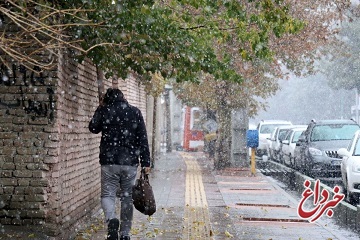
(81, 237)
(135, 231)
(229, 235)
(244, 54)
(150, 235)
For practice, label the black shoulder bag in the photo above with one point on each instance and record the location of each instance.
(143, 195)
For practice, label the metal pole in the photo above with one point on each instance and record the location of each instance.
(168, 121)
(253, 171)
(154, 129)
(357, 105)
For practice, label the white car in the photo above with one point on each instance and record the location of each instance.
(265, 127)
(277, 136)
(350, 169)
(288, 145)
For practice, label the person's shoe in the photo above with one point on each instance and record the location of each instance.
(125, 238)
(113, 228)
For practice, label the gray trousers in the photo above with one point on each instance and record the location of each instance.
(113, 177)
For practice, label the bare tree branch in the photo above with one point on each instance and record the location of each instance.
(41, 34)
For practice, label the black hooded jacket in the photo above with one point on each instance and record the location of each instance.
(124, 138)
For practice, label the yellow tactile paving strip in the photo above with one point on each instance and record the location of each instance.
(196, 213)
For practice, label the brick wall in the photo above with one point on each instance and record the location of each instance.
(134, 93)
(27, 114)
(75, 177)
(50, 175)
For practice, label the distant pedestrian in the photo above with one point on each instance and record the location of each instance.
(124, 145)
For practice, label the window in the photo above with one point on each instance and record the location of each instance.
(282, 134)
(333, 132)
(357, 148)
(268, 128)
(296, 136)
(288, 135)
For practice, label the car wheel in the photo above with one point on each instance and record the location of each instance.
(281, 159)
(291, 161)
(296, 166)
(352, 198)
(307, 168)
(276, 156)
(273, 155)
(269, 154)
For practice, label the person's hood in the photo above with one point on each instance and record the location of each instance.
(113, 95)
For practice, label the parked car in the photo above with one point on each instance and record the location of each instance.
(265, 127)
(288, 145)
(318, 146)
(277, 136)
(268, 150)
(350, 169)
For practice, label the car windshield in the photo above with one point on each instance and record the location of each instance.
(268, 128)
(357, 148)
(282, 134)
(296, 136)
(333, 132)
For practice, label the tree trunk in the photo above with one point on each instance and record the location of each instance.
(223, 142)
(154, 130)
(100, 79)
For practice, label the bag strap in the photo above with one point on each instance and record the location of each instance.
(144, 175)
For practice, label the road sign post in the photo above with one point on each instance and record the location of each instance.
(252, 141)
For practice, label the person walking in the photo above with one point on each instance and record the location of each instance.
(124, 145)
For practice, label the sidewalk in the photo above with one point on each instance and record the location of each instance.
(168, 182)
(196, 202)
